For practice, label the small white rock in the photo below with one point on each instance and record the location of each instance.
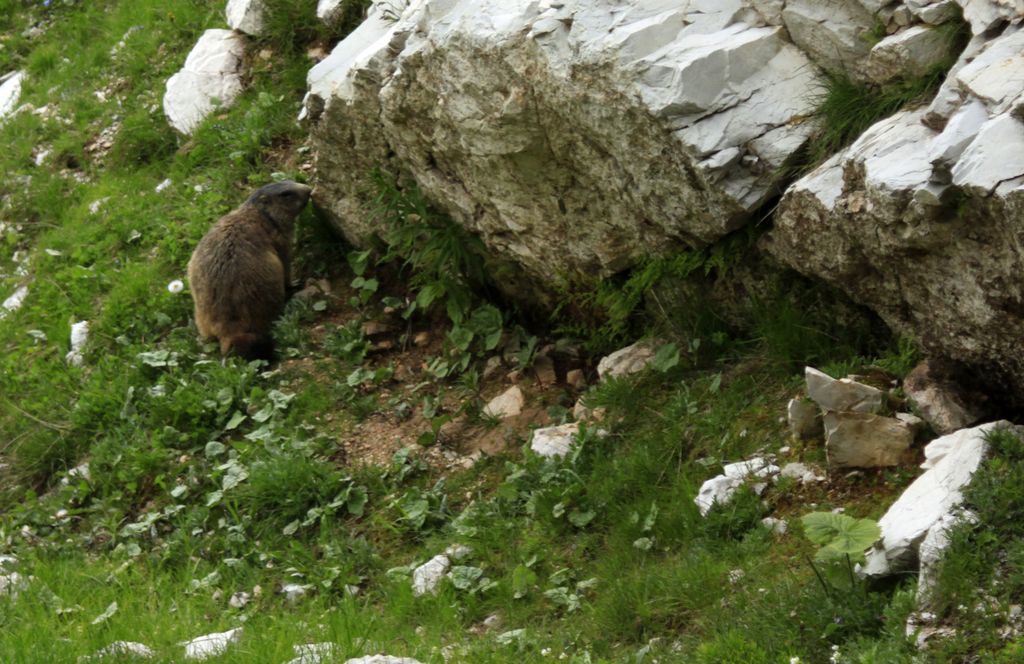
(245, 16)
(164, 185)
(777, 526)
(79, 335)
(211, 645)
(314, 653)
(628, 360)
(507, 404)
(427, 576)
(554, 441)
(14, 302)
(121, 650)
(293, 592)
(239, 600)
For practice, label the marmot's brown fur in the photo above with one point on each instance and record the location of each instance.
(240, 271)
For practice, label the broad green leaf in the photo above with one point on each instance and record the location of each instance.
(839, 532)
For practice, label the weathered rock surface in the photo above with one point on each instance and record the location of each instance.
(10, 91)
(211, 78)
(843, 395)
(554, 441)
(932, 496)
(834, 34)
(557, 130)
(921, 222)
(426, 577)
(865, 440)
(912, 52)
(931, 551)
(940, 398)
(382, 659)
(802, 473)
(507, 404)
(245, 16)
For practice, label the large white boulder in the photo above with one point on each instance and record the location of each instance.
(931, 497)
(210, 79)
(573, 137)
(920, 218)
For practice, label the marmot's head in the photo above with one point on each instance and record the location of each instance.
(281, 201)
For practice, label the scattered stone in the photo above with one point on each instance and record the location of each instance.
(922, 627)
(721, 489)
(804, 419)
(843, 395)
(584, 414)
(211, 78)
(6, 562)
(801, 472)
(121, 649)
(314, 653)
(10, 90)
(79, 335)
(239, 600)
(458, 551)
(507, 404)
(427, 576)
(211, 645)
(777, 526)
(736, 575)
(13, 584)
(576, 379)
(79, 472)
(245, 16)
(939, 399)
(863, 440)
(14, 302)
(164, 184)
(554, 441)
(382, 659)
(928, 499)
(293, 592)
(628, 360)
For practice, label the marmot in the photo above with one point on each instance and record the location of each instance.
(240, 271)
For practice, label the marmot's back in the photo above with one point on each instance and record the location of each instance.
(240, 270)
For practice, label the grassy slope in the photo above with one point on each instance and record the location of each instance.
(188, 497)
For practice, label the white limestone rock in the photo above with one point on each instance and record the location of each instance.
(13, 584)
(928, 499)
(554, 441)
(629, 360)
(933, 12)
(930, 553)
(427, 576)
(865, 440)
(382, 659)
(804, 419)
(909, 53)
(556, 131)
(14, 301)
(802, 473)
(245, 16)
(10, 91)
(121, 650)
(79, 335)
(328, 10)
(211, 645)
(834, 34)
(942, 205)
(983, 15)
(777, 526)
(842, 395)
(211, 78)
(721, 489)
(507, 404)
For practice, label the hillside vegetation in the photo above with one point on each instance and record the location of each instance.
(146, 489)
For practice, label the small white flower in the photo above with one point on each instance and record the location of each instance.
(794, 660)
(545, 652)
(176, 286)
